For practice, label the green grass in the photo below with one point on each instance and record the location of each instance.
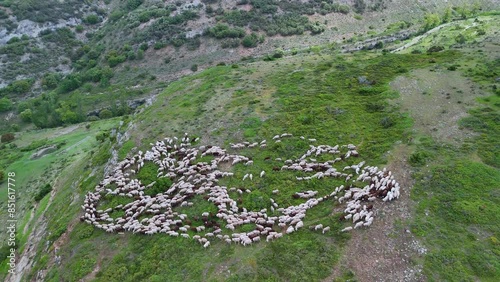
(323, 101)
(458, 199)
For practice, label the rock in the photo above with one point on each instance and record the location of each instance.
(44, 151)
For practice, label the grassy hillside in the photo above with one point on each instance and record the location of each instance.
(318, 93)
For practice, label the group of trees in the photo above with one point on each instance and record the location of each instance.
(292, 22)
(432, 20)
(17, 87)
(43, 11)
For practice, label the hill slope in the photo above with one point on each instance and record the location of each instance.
(428, 113)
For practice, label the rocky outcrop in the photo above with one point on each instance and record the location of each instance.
(33, 29)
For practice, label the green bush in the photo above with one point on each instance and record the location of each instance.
(5, 104)
(20, 86)
(26, 115)
(418, 158)
(387, 122)
(140, 54)
(70, 83)
(224, 31)
(92, 19)
(278, 53)
(44, 191)
(104, 114)
(250, 41)
(116, 15)
(194, 67)
(50, 80)
(359, 6)
(435, 48)
(113, 61)
(79, 28)
(159, 45)
(133, 4)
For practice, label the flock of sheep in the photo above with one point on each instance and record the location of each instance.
(179, 161)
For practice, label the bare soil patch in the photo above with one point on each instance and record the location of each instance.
(437, 100)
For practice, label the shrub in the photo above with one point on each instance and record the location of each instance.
(20, 86)
(359, 6)
(435, 48)
(194, 67)
(5, 104)
(104, 114)
(7, 137)
(92, 19)
(26, 115)
(14, 40)
(101, 137)
(387, 122)
(250, 41)
(317, 28)
(140, 54)
(159, 45)
(224, 31)
(70, 83)
(460, 39)
(278, 53)
(79, 28)
(113, 61)
(230, 43)
(133, 4)
(379, 45)
(431, 21)
(2, 176)
(44, 191)
(418, 158)
(50, 80)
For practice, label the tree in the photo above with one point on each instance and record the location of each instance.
(105, 114)
(7, 137)
(5, 104)
(21, 86)
(70, 83)
(447, 15)
(431, 21)
(2, 176)
(50, 80)
(67, 114)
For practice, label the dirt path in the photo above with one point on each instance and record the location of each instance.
(386, 251)
(417, 39)
(25, 261)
